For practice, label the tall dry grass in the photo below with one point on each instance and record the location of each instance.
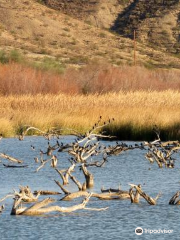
(135, 112)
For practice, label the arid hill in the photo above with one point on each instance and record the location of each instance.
(72, 36)
(157, 23)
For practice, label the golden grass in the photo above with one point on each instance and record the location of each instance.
(139, 110)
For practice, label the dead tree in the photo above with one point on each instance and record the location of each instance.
(120, 195)
(161, 153)
(88, 176)
(134, 195)
(47, 135)
(41, 207)
(66, 173)
(53, 161)
(149, 199)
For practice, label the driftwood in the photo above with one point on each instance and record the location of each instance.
(70, 196)
(173, 200)
(3, 155)
(103, 196)
(149, 199)
(40, 207)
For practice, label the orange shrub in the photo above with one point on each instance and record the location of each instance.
(20, 79)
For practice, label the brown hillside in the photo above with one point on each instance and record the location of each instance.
(38, 31)
(157, 23)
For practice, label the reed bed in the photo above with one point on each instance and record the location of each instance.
(135, 113)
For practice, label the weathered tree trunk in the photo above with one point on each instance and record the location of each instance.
(150, 200)
(62, 188)
(40, 207)
(88, 176)
(74, 195)
(173, 201)
(134, 196)
(65, 177)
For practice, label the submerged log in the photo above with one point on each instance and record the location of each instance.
(14, 166)
(121, 195)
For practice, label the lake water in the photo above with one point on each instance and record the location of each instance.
(118, 222)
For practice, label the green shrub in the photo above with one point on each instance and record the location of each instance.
(50, 64)
(15, 56)
(3, 57)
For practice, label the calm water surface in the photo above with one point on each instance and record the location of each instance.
(118, 222)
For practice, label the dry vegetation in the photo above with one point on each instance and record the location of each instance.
(136, 97)
(100, 78)
(135, 112)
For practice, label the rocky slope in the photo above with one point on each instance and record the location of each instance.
(100, 13)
